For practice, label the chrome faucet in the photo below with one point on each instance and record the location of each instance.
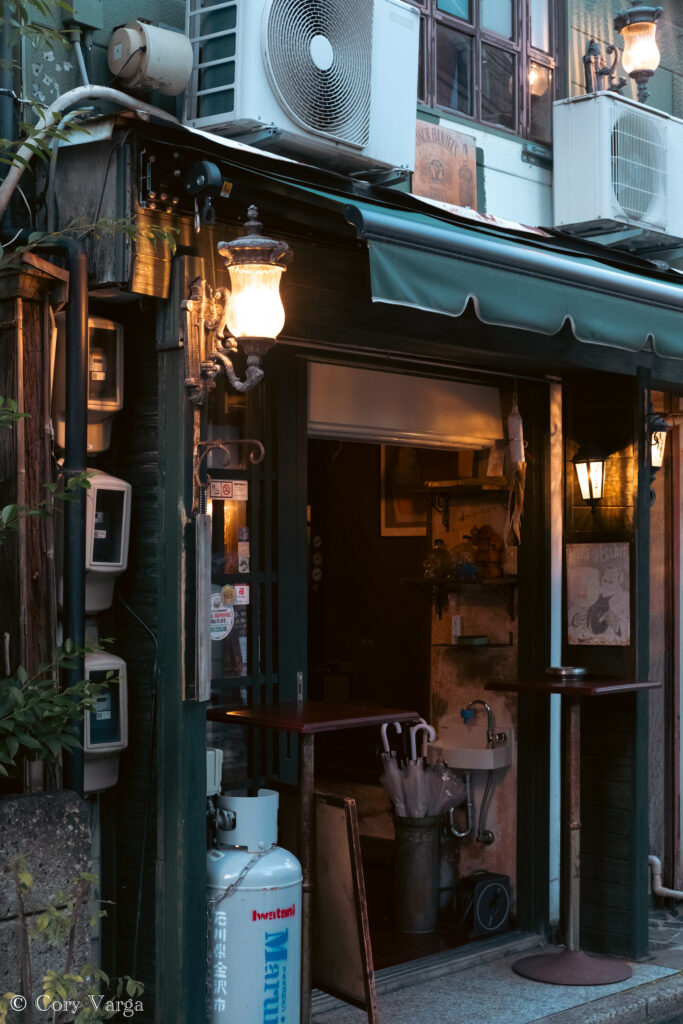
(489, 719)
(491, 737)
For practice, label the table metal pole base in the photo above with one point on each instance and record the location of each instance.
(573, 967)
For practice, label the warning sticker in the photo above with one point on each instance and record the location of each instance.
(222, 618)
(229, 490)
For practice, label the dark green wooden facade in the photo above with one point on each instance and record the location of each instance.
(330, 316)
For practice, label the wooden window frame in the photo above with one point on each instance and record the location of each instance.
(519, 46)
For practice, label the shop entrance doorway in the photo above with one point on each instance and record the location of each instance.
(369, 640)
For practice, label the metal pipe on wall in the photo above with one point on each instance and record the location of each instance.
(556, 473)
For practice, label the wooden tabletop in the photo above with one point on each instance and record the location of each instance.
(311, 716)
(573, 686)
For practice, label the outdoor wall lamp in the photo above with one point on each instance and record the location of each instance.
(589, 463)
(656, 430)
(640, 58)
(249, 316)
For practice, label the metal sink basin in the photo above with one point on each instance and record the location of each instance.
(463, 748)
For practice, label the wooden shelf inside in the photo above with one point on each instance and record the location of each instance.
(442, 493)
(502, 586)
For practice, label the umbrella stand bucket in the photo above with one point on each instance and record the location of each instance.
(416, 876)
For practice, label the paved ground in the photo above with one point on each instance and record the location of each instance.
(465, 990)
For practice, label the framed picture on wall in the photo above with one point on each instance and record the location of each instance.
(598, 594)
(402, 512)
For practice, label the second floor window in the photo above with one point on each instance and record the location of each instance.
(491, 60)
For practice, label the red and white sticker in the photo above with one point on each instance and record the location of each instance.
(229, 490)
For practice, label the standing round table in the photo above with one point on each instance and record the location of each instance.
(572, 966)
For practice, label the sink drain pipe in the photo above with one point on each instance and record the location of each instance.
(657, 888)
(469, 811)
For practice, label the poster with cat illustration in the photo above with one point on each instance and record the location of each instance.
(598, 595)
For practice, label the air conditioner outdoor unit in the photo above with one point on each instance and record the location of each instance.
(337, 79)
(617, 172)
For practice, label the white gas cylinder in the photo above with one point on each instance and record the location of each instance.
(254, 917)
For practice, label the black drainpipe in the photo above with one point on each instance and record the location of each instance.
(72, 252)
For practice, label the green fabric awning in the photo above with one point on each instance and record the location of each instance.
(529, 283)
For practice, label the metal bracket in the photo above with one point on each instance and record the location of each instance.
(204, 448)
(539, 156)
(209, 347)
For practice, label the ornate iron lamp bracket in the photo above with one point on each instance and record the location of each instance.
(204, 448)
(209, 348)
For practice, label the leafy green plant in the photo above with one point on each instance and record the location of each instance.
(37, 719)
(82, 994)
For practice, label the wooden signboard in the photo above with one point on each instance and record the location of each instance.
(445, 165)
(342, 954)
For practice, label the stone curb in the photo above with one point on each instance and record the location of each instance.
(652, 1003)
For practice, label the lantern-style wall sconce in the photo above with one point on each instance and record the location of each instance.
(249, 316)
(657, 429)
(589, 463)
(640, 58)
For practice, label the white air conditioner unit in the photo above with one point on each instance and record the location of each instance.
(616, 174)
(337, 78)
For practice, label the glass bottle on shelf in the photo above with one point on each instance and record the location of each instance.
(464, 562)
(438, 564)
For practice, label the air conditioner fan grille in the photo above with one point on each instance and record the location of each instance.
(639, 167)
(319, 57)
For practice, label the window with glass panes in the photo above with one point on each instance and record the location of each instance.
(491, 60)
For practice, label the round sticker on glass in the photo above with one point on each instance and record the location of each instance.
(222, 618)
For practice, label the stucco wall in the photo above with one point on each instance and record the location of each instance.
(592, 19)
(508, 186)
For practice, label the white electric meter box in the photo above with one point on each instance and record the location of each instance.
(107, 529)
(105, 380)
(105, 728)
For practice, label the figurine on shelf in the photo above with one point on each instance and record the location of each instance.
(464, 561)
(488, 552)
(438, 564)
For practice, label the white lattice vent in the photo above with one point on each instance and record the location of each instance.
(638, 146)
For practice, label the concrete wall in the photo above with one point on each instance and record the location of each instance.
(52, 830)
(507, 186)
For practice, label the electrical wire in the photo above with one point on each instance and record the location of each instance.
(148, 787)
(140, 49)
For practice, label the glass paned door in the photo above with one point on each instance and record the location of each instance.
(258, 567)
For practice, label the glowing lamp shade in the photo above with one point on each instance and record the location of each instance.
(589, 463)
(658, 444)
(255, 308)
(641, 52)
(659, 428)
(256, 264)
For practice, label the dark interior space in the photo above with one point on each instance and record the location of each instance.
(369, 640)
(368, 631)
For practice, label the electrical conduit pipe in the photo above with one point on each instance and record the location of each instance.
(657, 888)
(83, 94)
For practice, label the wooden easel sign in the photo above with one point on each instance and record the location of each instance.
(342, 953)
